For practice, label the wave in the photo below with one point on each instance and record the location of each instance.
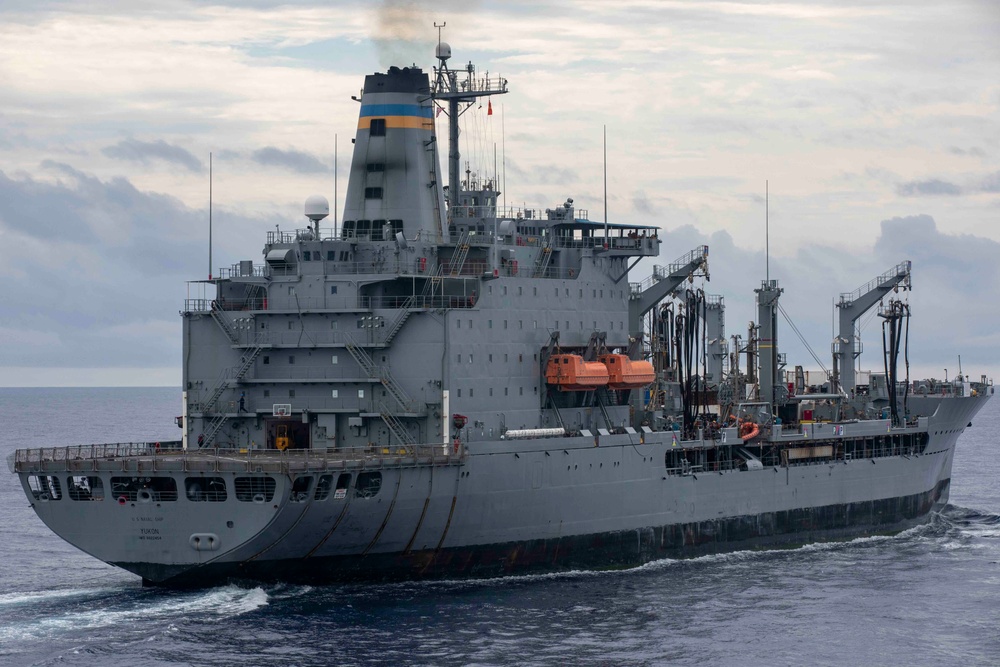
(42, 597)
(133, 611)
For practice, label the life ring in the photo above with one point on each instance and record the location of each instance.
(122, 500)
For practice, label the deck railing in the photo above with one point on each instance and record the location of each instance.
(168, 456)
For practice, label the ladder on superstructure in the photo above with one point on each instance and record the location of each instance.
(462, 251)
(406, 309)
(542, 263)
(375, 372)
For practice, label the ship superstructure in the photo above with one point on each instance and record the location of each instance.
(443, 386)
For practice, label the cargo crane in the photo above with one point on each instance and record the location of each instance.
(644, 296)
(852, 305)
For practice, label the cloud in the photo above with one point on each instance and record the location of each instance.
(931, 187)
(304, 163)
(973, 151)
(95, 269)
(145, 151)
(990, 183)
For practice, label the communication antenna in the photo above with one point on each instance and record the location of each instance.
(606, 242)
(767, 238)
(209, 216)
(503, 158)
(335, 204)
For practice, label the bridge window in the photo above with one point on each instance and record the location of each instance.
(376, 127)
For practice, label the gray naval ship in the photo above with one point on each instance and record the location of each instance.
(441, 386)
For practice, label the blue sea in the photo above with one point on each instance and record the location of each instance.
(927, 596)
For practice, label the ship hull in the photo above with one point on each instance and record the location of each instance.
(598, 551)
(504, 507)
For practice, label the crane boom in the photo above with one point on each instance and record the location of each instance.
(852, 306)
(644, 296)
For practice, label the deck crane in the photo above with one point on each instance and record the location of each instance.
(852, 306)
(644, 296)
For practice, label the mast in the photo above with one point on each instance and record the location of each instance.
(448, 88)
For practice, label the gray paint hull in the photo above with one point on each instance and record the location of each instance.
(518, 507)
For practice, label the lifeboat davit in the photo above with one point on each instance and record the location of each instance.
(623, 373)
(570, 372)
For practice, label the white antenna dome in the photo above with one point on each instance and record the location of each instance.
(317, 208)
(443, 51)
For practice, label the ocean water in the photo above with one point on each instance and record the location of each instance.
(927, 596)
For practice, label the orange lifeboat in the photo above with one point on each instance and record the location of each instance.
(623, 373)
(570, 372)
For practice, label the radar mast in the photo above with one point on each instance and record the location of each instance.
(451, 87)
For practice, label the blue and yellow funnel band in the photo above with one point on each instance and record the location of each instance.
(408, 116)
(410, 122)
(381, 110)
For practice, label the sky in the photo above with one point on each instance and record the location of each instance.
(874, 127)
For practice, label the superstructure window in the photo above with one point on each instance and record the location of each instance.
(374, 167)
(397, 226)
(143, 489)
(205, 489)
(365, 226)
(323, 487)
(348, 229)
(44, 487)
(254, 489)
(373, 193)
(343, 482)
(376, 127)
(378, 227)
(300, 489)
(368, 485)
(85, 488)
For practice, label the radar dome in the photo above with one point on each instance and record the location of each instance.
(443, 51)
(317, 208)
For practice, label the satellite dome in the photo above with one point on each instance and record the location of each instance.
(317, 208)
(443, 51)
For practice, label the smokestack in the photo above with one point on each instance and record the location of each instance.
(394, 178)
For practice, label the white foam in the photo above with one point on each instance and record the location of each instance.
(224, 602)
(36, 597)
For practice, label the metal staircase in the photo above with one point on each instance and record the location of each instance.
(378, 373)
(462, 251)
(542, 263)
(397, 324)
(385, 378)
(395, 426)
(229, 376)
(220, 319)
(432, 285)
